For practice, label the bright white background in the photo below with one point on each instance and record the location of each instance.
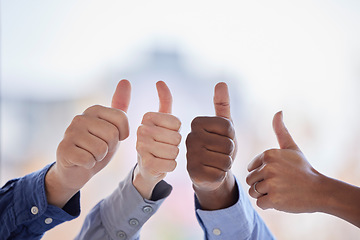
(302, 57)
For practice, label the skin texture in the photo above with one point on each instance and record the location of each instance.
(157, 144)
(287, 182)
(211, 148)
(88, 145)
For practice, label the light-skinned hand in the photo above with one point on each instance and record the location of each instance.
(157, 144)
(88, 145)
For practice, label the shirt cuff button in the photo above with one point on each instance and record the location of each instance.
(48, 220)
(34, 210)
(147, 209)
(133, 222)
(216, 231)
(121, 235)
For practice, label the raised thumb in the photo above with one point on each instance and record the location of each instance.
(165, 97)
(222, 100)
(282, 134)
(122, 94)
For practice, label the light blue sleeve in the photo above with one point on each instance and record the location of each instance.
(238, 222)
(121, 215)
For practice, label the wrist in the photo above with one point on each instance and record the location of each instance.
(222, 197)
(57, 193)
(321, 192)
(341, 199)
(336, 195)
(144, 185)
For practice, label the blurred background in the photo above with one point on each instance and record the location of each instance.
(302, 57)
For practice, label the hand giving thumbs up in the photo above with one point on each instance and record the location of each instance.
(210, 154)
(88, 145)
(158, 138)
(282, 178)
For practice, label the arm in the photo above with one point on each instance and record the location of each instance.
(39, 201)
(25, 212)
(223, 210)
(157, 143)
(89, 144)
(285, 180)
(123, 213)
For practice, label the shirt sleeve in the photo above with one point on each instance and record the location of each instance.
(25, 212)
(237, 222)
(121, 215)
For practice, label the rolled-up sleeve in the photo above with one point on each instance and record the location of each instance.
(122, 214)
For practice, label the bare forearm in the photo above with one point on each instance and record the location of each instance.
(342, 200)
(224, 196)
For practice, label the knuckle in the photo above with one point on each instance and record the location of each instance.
(248, 180)
(260, 204)
(114, 134)
(102, 149)
(61, 146)
(189, 167)
(192, 167)
(77, 120)
(121, 116)
(229, 145)
(173, 152)
(93, 108)
(250, 192)
(189, 140)
(228, 127)
(178, 138)
(274, 199)
(197, 122)
(81, 159)
(148, 117)
(142, 131)
(270, 186)
(195, 176)
(227, 163)
(140, 147)
(269, 155)
(193, 154)
(268, 171)
(173, 166)
(227, 124)
(176, 121)
(176, 150)
(122, 126)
